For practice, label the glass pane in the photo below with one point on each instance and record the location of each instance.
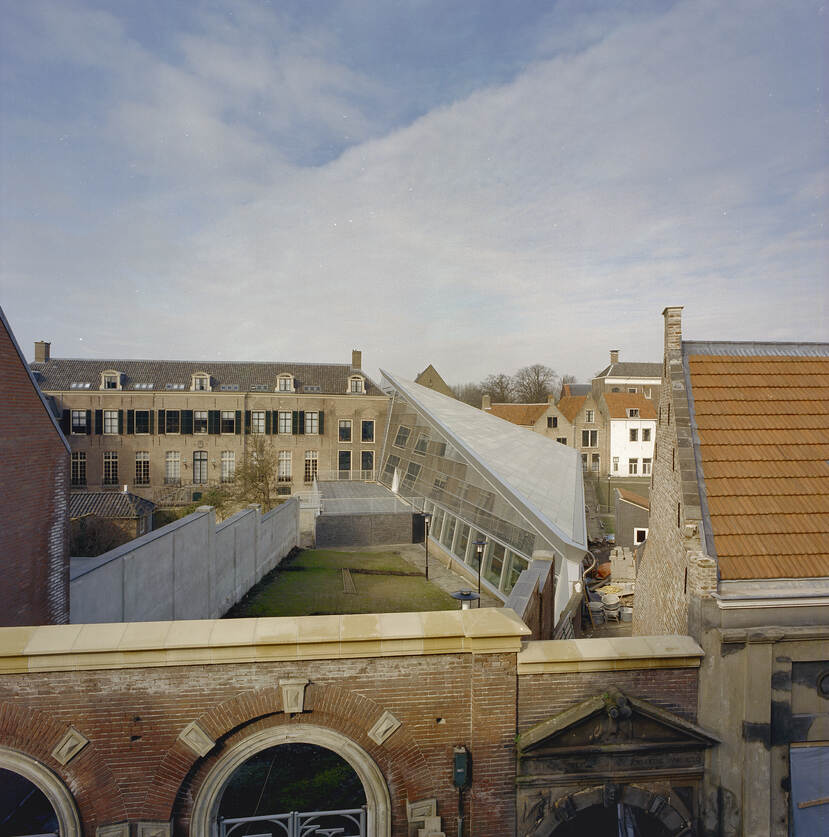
(449, 532)
(493, 567)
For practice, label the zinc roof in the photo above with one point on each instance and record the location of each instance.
(618, 403)
(58, 374)
(631, 370)
(524, 414)
(762, 424)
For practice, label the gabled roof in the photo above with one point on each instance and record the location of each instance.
(633, 498)
(430, 377)
(576, 389)
(58, 374)
(110, 504)
(618, 403)
(760, 417)
(523, 414)
(569, 406)
(539, 477)
(631, 370)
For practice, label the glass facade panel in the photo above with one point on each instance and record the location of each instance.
(449, 532)
(463, 540)
(495, 563)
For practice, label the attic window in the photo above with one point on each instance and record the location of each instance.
(142, 386)
(284, 383)
(229, 387)
(356, 384)
(173, 386)
(110, 379)
(312, 388)
(200, 382)
(80, 385)
(633, 412)
(259, 388)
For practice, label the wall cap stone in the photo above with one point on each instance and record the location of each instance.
(611, 654)
(215, 641)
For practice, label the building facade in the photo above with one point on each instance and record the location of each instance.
(169, 429)
(34, 497)
(737, 556)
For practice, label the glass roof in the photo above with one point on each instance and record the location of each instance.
(540, 476)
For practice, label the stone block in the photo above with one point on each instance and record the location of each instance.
(69, 746)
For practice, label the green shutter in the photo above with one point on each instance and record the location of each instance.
(268, 430)
(187, 422)
(162, 418)
(121, 422)
(295, 422)
(99, 422)
(302, 422)
(65, 422)
(322, 422)
(238, 423)
(152, 421)
(213, 422)
(88, 422)
(130, 422)
(247, 422)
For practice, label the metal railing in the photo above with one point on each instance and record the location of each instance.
(354, 475)
(341, 823)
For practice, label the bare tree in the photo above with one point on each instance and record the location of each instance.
(255, 479)
(565, 379)
(500, 388)
(533, 384)
(468, 393)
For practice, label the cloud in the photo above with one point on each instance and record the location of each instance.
(634, 161)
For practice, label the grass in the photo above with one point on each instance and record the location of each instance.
(311, 583)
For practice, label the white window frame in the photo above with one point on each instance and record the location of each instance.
(228, 464)
(110, 379)
(615, 464)
(343, 425)
(172, 467)
(356, 385)
(311, 465)
(142, 467)
(284, 383)
(200, 382)
(350, 463)
(590, 416)
(633, 467)
(633, 412)
(110, 472)
(592, 438)
(634, 434)
(312, 423)
(636, 531)
(199, 415)
(78, 467)
(367, 453)
(284, 464)
(647, 466)
(408, 435)
(646, 434)
(201, 471)
(223, 417)
(110, 422)
(284, 419)
(257, 421)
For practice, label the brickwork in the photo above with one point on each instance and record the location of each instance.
(33, 500)
(661, 582)
(541, 696)
(136, 768)
(363, 529)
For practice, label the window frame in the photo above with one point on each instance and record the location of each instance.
(634, 434)
(633, 467)
(311, 465)
(363, 423)
(343, 425)
(227, 460)
(200, 470)
(646, 434)
(146, 414)
(80, 424)
(172, 414)
(647, 466)
(284, 418)
(407, 435)
(172, 462)
(110, 420)
(142, 467)
(110, 471)
(590, 416)
(78, 467)
(257, 421)
(284, 466)
(592, 438)
(223, 414)
(312, 422)
(200, 429)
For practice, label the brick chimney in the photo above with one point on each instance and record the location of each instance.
(42, 351)
(614, 355)
(673, 328)
(486, 401)
(356, 359)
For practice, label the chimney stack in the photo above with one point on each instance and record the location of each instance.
(356, 359)
(673, 328)
(614, 355)
(486, 401)
(42, 351)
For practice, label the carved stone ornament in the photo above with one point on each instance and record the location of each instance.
(118, 829)
(421, 809)
(197, 739)
(69, 746)
(385, 726)
(293, 695)
(154, 829)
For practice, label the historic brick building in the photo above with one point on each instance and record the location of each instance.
(168, 429)
(34, 494)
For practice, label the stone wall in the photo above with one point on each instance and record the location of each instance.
(363, 529)
(189, 569)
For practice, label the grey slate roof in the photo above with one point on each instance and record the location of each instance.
(580, 389)
(111, 504)
(58, 374)
(631, 370)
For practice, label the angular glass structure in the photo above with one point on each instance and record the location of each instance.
(482, 477)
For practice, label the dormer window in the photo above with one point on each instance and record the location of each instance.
(200, 382)
(356, 384)
(633, 412)
(110, 379)
(285, 383)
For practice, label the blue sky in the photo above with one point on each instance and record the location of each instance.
(475, 185)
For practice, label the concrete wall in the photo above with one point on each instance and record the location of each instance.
(189, 569)
(363, 529)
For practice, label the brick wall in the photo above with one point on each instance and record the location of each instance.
(135, 767)
(34, 515)
(363, 529)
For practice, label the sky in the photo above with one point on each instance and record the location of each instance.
(476, 185)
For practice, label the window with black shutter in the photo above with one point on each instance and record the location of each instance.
(130, 422)
(99, 422)
(121, 422)
(301, 422)
(213, 422)
(162, 418)
(247, 422)
(64, 422)
(322, 423)
(238, 422)
(268, 424)
(187, 421)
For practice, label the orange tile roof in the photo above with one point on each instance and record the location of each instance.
(763, 430)
(633, 497)
(525, 414)
(570, 405)
(618, 403)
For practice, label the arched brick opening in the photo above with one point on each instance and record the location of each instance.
(34, 735)
(181, 775)
(676, 822)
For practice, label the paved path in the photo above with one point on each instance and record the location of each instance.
(439, 573)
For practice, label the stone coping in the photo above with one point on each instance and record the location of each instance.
(210, 641)
(611, 654)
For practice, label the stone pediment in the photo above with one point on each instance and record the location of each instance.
(611, 722)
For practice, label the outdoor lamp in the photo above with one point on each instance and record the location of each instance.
(479, 551)
(427, 519)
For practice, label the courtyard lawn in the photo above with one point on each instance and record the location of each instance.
(311, 583)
